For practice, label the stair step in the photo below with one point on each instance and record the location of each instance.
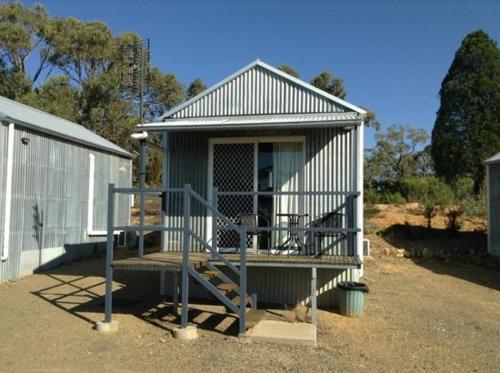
(226, 287)
(253, 317)
(236, 300)
(209, 275)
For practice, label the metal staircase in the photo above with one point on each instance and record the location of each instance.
(232, 294)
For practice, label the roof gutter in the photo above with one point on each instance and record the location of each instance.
(8, 193)
(165, 126)
(77, 140)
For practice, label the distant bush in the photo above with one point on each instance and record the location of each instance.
(394, 198)
(428, 191)
(471, 204)
(373, 196)
(370, 228)
(452, 218)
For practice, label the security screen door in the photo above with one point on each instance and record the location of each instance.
(256, 165)
(233, 171)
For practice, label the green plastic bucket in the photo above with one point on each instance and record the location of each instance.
(352, 298)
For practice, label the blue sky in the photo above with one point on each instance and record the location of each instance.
(392, 55)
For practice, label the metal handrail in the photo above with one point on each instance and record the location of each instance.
(303, 193)
(215, 211)
(216, 253)
(186, 270)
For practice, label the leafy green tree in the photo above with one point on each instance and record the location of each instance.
(289, 70)
(329, 83)
(467, 128)
(13, 84)
(82, 50)
(165, 92)
(22, 33)
(397, 155)
(55, 96)
(195, 88)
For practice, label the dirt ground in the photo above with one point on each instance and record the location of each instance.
(420, 316)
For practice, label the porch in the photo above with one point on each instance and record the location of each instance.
(267, 176)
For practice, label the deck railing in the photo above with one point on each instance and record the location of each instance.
(188, 234)
(310, 205)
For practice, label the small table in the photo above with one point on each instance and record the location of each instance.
(293, 235)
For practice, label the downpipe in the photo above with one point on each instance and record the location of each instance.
(8, 193)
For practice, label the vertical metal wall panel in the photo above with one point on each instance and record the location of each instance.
(494, 208)
(3, 164)
(289, 286)
(259, 91)
(328, 167)
(50, 201)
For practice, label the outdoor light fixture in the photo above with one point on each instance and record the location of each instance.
(347, 128)
(25, 140)
(139, 136)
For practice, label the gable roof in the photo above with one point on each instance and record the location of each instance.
(260, 89)
(493, 159)
(13, 111)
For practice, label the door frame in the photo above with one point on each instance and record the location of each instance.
(243, 140)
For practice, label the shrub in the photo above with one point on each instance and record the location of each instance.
(394, 198)
(430, 192)
(452, 218)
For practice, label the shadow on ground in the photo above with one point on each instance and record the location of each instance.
(458, 254)
(78, 288)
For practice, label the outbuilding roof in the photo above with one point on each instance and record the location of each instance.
(494, 159)
(13, 111)
(258, 95)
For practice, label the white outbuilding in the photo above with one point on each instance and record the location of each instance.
(493, 182)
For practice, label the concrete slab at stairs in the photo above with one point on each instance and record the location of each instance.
(283, 332)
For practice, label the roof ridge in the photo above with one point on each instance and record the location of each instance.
(271, 69)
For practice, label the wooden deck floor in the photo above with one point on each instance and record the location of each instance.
(172, 261)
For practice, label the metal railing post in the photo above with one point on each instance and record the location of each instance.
(215, 199)
(109, 254)
(185, 256)
(142, 184)
(243, 279)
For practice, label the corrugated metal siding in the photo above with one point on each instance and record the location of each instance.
(3, 164)
(494, 207)
(259, 91)
(328, 167)
(50, 197)
(283, 285)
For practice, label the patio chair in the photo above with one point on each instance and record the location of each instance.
(251, 222)
(331, 219)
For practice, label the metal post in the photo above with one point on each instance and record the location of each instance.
(359, 198)
(142, 185)
(314, 306)
(243, 279)
(215, 199)
(109, 255)
(185, 256)
(175, 291)
(164, 208)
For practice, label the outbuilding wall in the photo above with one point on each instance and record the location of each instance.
(494, 208)
(50, 200)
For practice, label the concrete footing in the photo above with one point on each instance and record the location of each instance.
(188, 333)
(107, 327)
